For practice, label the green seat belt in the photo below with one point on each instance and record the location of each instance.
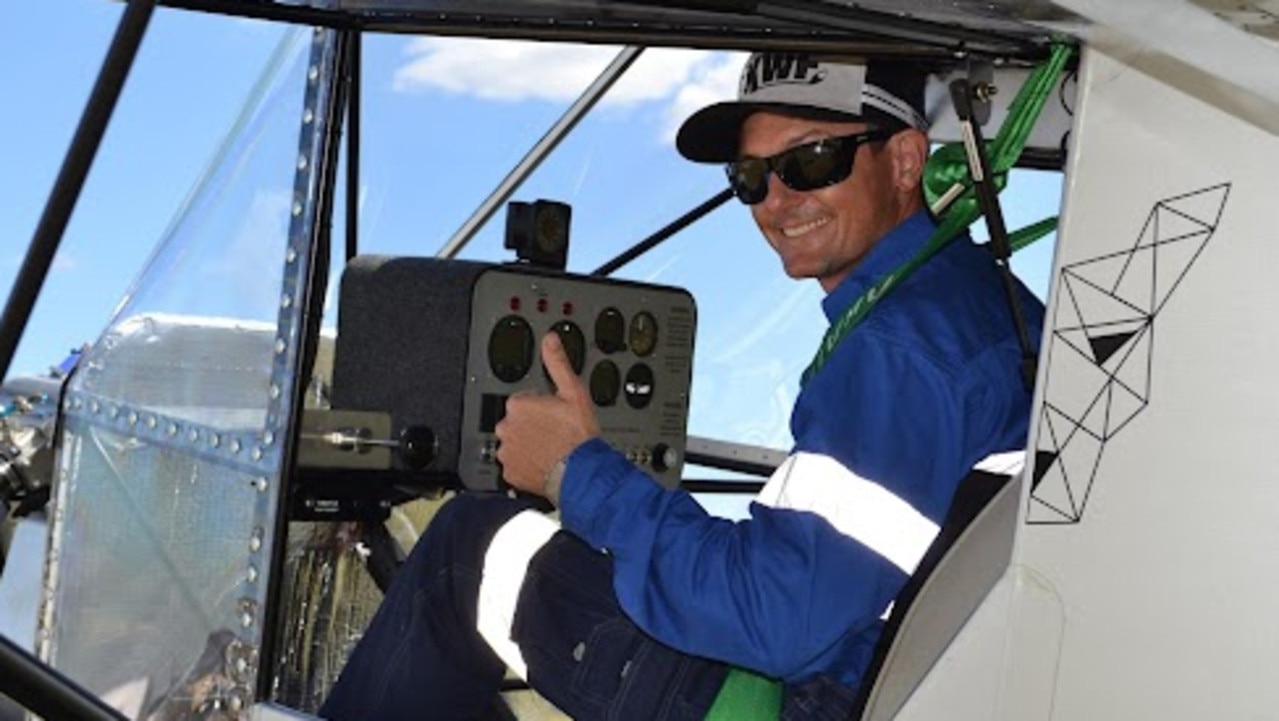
(748, 696)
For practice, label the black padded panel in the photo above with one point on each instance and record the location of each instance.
(975, 492)
(380, 365)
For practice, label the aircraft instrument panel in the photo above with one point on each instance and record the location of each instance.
(440, 345)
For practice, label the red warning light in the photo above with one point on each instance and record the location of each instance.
(568, 307)
(515, 304)
(541, 305)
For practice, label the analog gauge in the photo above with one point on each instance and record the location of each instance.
(606, 383)
(511, 348)
(643, 333)
(610, 331)
(638, 387)
(574, 343)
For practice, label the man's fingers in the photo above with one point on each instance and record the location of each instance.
(567, 385)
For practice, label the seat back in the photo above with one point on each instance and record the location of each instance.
(969, 555)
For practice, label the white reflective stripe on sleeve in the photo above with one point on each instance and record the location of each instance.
(505, 565)
(1009, 463)
(860, 509)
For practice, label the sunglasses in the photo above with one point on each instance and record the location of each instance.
(804, 167)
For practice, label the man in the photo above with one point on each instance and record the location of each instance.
(636, 608)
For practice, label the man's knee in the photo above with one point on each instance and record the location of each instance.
(461, 531)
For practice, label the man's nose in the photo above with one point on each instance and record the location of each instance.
(779, 194)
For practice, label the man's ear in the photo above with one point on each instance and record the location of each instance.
(910, 153)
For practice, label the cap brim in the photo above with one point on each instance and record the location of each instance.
(713, 134)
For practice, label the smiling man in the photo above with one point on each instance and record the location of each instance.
(638, 605)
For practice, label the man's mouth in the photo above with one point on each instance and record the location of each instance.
(794, 231)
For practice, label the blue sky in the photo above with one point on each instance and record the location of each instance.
(444, 121)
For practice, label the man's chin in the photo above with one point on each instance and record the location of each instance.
(801, 270)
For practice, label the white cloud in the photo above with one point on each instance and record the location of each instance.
(711, 80)
(517, 70)
(64, 262)
(509, 70)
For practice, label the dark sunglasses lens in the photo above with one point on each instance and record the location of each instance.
(817, 165)
(749, 179)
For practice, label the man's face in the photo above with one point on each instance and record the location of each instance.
(823, 233)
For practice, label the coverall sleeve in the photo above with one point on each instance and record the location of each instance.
(780, 591)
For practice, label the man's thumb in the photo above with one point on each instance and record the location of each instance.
(555, 358)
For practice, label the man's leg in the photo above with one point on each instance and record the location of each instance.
(585, 654)
(421, 656)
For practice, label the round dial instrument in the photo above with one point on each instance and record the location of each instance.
(510, 349)
(610, 331)
(606, 383)
(643, 334)
(638, 387)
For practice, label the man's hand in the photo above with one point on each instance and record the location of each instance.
(540, 430)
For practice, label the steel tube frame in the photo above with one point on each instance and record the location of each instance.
(311, 298)
(45, 691)
(670, 229)
(71, 177)
(354, 90)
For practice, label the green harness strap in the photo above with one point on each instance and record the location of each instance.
(748, 696)
(947, 176)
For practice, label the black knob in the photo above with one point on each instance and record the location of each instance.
(418, 447)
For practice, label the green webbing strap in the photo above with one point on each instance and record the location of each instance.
(950, 172)
(1024, 237)
(948, 166)
(746, 696)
